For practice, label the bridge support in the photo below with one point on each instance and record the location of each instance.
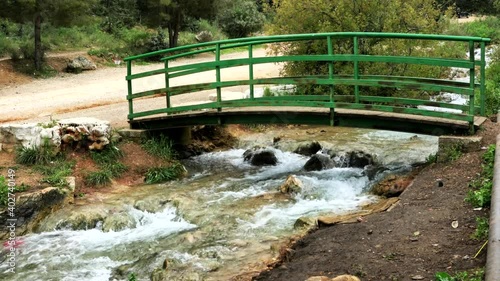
(180, 136)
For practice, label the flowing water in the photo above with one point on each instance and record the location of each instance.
(225, 218)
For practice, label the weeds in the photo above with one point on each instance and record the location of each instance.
(452, 152)
(432, 158)
(55, 173)
(482, 229)
(160, 146)
(480, 195)
(163, 174)
(99, 178)
(476, 275)
(41, 155)
(5, 189)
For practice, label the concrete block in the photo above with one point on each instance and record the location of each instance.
(132, 134)
(451, 146)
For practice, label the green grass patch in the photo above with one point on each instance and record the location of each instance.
(164, 174)
(41, 155)
(160, 146)
(55, 173)
(99, 178)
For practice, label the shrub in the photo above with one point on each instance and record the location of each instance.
(480, 195)
(241, 19)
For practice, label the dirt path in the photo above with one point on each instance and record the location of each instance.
(101, 93)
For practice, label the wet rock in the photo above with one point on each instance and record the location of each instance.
(305, 222)
(79, 64)
(308, 149)
(319, 162)
(150, 205)
(291, 185)
(345, 278)
(359, 159)
(392, 186)
(82, 221)
(371, 171)
(33, 207)
(260, 157)
(117, 222)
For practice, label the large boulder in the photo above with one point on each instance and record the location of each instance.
(319, 162)
(260, 157)
(79, 64)
(118, 222)
(291, 185)
(359, 159)
(308, 149)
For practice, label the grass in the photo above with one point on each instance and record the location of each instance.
(475, 275)
(55, 173)
(41, 155)
(160, 146)
(164, 174)
(108, 162)
(452, 152)
(99, 178)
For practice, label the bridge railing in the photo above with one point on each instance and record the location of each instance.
(356, 79)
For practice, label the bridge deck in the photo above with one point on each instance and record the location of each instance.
(310, 116)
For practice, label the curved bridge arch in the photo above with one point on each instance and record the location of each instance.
(355, 109)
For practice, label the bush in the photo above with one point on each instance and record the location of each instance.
(241, 19)
(480, 195)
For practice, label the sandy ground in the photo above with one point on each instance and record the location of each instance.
(102, 93)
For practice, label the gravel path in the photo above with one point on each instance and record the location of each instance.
(102, 93)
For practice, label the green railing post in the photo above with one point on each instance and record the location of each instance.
(217, 75)
(483, 79)
(472, 79)
(356, 68)
(167, 84)
(129, 91)
(250, 69)
(330, 76)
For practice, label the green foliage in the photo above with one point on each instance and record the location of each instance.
(132, 277)
(452, 152)
(364, 16)
(160, 146)
(44, 154)
(4, 191)
(241, 18)
(109, 155)
(117, 14)
(480, 195)
(492, 94)
(109, 165)
(476, 275)
(431, 158)
(55, 172)
(99, 178)
(163, 174)
(482, 229)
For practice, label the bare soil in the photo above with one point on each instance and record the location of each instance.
(412, 241)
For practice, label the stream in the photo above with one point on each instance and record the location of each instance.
(225, 218)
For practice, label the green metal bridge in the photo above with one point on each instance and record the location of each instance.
(355, 105)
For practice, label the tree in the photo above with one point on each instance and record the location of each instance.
(117, 14)
(241, 19)
(172, 14)
(420, 16)
(57, 12)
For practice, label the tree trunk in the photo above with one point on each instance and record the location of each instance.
(38, 37)
(174, 26)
